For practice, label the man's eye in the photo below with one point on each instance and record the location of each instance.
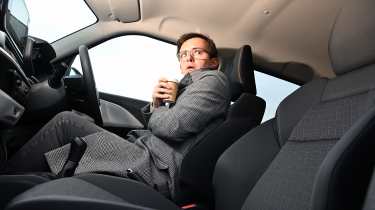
(198, 52)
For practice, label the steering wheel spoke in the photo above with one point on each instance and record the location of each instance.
(92, 95)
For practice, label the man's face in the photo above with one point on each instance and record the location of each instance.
(193, 56)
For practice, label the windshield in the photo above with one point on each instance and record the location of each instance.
(17, 21)
(54, 19)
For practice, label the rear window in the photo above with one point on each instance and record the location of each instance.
(273, 90)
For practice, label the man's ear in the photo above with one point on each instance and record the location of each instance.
(214, 63)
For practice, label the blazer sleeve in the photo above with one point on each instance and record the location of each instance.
(205, 100)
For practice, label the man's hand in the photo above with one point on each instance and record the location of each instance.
(161, 92)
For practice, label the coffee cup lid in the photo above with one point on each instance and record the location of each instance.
(173, 80)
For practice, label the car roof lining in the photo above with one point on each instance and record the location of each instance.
(280, 32)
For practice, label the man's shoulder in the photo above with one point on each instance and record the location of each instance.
(212, 80)
(198, 75)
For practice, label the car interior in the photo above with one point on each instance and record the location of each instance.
(316, 152)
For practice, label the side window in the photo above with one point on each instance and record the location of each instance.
(130, 65)
(273, 90)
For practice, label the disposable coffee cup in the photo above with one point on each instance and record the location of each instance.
(173, 84)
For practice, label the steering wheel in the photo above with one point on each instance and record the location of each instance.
(92, 95)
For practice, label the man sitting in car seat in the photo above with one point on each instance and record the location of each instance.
(153, 155)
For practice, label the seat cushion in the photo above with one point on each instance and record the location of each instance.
(12, 185)
(91, 191)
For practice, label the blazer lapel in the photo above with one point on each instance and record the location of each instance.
(185, 81)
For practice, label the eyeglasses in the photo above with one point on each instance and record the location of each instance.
(196, 53)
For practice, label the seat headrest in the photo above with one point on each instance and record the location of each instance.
(241, 73)
(352, 42)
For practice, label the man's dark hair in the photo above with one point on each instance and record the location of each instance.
(212, 51)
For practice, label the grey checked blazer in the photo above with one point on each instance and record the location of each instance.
(155, 154)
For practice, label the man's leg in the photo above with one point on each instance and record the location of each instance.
(57, 132)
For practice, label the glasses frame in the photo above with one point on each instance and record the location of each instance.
(192, 54)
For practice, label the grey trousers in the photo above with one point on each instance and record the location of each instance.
(56, 133)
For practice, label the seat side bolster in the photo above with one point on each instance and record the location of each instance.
(351, 159)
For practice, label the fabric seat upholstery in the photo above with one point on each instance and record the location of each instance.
(298, 176)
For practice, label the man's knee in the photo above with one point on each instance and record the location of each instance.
(72, 117)
(66, 116)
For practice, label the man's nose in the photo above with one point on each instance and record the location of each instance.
(189, 57)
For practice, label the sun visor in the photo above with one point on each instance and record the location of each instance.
(125, 11)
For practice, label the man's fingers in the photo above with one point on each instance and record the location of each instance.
(161, 95)
(163, 90)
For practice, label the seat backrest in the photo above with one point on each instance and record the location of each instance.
(274, 166)
(246, 112)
